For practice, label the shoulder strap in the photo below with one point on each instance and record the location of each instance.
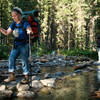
(14, 24)
(22, 26)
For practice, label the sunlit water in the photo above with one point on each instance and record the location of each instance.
(80, 88)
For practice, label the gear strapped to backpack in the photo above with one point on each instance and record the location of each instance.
(35, 28)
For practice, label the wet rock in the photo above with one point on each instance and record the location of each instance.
(48, 82)
(72, 74)
(97, 63)
(5, 94)
(22, 87)
(43, 60)
(51, 60)
(26, 94)
(2, 87)
(4, 63)
(58, 74)
(37, 70)
(44, 90)
(36, 84)
(13, 88)
(47, 75)
(70, 63)
(35, 78)
(11, 84)
(96, 94)
(50, 64)
(54, 75)
(90, 69)
(98, 67)
(39, 63)
(76, 72)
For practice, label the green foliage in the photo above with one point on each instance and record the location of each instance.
(64, 23)
(80, 52)
(42, 50)
(4, 51)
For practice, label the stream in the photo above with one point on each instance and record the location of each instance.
(74, 81)
(79, 86)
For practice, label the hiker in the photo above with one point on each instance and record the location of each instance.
(34, 22)
(21, 29)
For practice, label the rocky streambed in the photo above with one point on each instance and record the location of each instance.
(55, 77)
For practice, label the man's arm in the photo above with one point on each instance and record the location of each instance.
(5, 32)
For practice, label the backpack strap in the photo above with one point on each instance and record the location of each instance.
(21, 26)
(24, 41)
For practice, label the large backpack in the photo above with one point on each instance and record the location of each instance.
(35, 26)
(31, 17)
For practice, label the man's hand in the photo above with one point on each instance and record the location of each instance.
(5, 32)
(29, 30)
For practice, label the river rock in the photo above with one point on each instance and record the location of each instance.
(5, 94)
(44, 90)
(43, 60)
(48, 82)
(22, 87)
(2, 87)
(35, 78)
(26, 94)
(36, 84)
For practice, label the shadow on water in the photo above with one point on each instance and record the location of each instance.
(77, 87)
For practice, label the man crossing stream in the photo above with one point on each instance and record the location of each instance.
(21, 29)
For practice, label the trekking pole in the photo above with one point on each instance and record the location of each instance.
(30, 58)
(29, 47)
(37, 48)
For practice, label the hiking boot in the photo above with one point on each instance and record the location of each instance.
(10, 78)
(25, 80)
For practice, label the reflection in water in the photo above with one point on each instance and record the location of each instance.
(98, 75)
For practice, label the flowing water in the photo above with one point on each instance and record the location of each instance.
(77, 87)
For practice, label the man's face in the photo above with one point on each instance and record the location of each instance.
(15, 16)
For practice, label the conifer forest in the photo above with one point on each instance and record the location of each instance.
(65, 24)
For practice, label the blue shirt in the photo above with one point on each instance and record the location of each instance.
(22, 34)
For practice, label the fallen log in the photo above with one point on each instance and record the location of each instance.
(83, 65)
